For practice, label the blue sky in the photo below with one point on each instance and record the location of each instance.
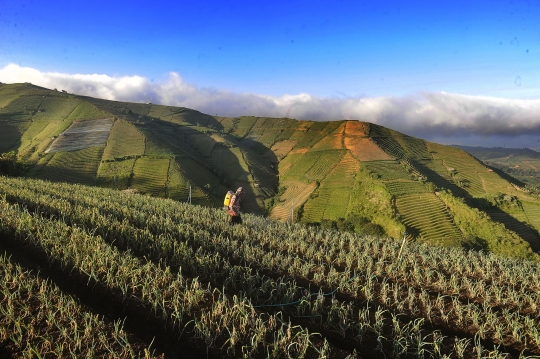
(329, 50)
(338, 48)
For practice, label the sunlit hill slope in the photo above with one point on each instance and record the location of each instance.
(312, 172)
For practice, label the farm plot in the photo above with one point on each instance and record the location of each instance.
(56, 108)
(314, 166)
(150, 175)
(532, 209)
(356, 129)
(229, 162)
(365, 149)
(196, 174)
(315, 206)
(465, 169)
(316, 132)
(296, 194)
(8, 93)
(82, 134)
(11, 134)
(328, 203)
(87, 110)
(425, 215)
(124, 140)
(243, 125)
(331, 199)
(282, 148)
(343, 175)
(23, 107)
(262, 172)
(228, 123)
(268, 137)
(115, 174)
(403, 187)
(434, 302)
(177, 185)
(79, 166)
(329, 142)
(415, 147)
(386, 170)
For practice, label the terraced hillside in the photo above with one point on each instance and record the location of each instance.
(306, 170)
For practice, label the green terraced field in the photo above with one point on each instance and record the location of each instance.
(402, 188)
(386, 170)
(177, 185)
(426, 217)
(73, 167)
(150, 175)
(229, 162)
(124, 140)
(315, 166)
(121, 169)
(196, 174)
(56, 108)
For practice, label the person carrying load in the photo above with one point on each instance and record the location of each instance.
(234, 207)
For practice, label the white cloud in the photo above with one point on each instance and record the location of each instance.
(422, 115)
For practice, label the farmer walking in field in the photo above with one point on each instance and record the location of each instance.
(234, 207)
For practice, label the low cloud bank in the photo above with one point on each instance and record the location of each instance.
(426, 115)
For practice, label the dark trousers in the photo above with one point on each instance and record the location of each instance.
(235, 220)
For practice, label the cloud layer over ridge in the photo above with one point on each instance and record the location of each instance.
(426, 115)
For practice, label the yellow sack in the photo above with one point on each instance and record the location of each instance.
(228, 198)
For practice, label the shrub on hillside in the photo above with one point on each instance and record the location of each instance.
(10, 165)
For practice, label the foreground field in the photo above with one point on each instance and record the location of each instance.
(177, 279)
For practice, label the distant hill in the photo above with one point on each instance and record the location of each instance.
(322, 173)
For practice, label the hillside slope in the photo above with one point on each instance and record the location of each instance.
(303, 170)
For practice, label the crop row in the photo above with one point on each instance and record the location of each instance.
(376, 280)
(41, 321)
(75, 167)
(431, 218)
(216, 319)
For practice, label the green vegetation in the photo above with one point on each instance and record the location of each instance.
(332, 170)
(124, 141)
(150, 175)
(521, 163)
(38, 313)
(182, 274)
(481, 233)
(10, 165)
(79, 166)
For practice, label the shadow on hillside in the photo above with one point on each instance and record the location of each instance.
(10, 137)
(442, 182)
(521, 228)
(507, 177)
(217, 159)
